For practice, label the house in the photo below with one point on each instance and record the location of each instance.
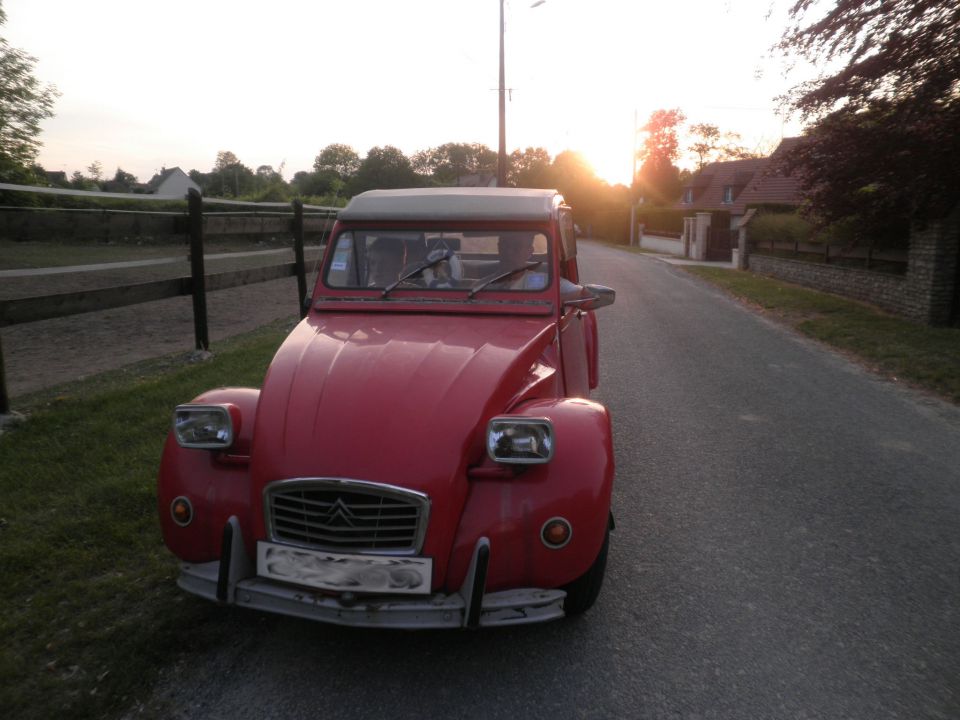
(477, 180)
(57, 178)
(173, 181)
(733, 185)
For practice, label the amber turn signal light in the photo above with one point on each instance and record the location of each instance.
(556, 533)
(181, 511)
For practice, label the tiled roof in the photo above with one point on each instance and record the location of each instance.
(750, 180)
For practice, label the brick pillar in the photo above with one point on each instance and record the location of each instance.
(742, 262)
(931, 286)
(700, 238)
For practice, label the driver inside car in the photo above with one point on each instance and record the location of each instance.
(514, 254)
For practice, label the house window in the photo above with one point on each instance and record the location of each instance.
(728, 193)
(688, 195)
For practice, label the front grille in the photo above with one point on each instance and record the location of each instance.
(346, 515)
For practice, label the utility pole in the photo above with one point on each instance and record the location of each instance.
(633, 186)
(502, 152)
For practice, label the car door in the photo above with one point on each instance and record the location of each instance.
(575, 324)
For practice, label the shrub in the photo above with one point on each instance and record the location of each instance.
(779, 227)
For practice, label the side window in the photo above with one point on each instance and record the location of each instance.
(343, 266)
(568, 237)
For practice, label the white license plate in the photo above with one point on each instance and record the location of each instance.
(342, 572)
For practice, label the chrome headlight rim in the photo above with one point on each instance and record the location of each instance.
(221, 409)
(496, 423)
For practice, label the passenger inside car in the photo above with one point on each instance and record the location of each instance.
(384, 260)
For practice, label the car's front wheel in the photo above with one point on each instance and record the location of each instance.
(583, 592)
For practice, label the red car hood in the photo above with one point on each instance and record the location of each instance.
(394, 398)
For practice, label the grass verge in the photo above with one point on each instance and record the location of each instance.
(917, 354)
(90, 608)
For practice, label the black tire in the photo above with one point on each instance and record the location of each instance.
(583, 592)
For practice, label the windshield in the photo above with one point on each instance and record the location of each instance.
(508, 260)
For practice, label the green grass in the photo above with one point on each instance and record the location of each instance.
(924, 356)
(90, 610)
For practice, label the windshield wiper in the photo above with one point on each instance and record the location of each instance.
(425, 265)
(529, 265)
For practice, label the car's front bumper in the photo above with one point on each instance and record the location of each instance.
(233, 580)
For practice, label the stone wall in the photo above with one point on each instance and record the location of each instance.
(881, 289)
(928, 293)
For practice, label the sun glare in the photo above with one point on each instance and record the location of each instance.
(611, 163)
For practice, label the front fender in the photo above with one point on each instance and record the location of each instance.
(216, 483)
(576, 484)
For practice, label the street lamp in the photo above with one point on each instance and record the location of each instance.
(502, 150)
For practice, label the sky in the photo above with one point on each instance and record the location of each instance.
(151, 85)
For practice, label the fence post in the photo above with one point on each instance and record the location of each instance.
(195, 222)
(4, 398)
(298, 256)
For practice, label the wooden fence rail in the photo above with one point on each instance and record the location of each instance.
(197, 284)
(868, 255)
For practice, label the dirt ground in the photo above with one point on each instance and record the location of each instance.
(42, 354)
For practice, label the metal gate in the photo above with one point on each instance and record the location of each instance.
(719, 245)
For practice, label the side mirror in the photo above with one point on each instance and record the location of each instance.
(305, 305)
(601, 296)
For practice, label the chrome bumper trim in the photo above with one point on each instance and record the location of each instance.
(244, 589)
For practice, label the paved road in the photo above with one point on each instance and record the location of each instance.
(787, 547)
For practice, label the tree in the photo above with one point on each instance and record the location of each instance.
(530, 168)
(576, 180)
(124, 177)
(233, 178)
(225, 160)
(24, 104)
(382, 168)
(706, 139)
(339, 159)
(711, 145)
(883, 146)
(446, 164)
(96, 170)
(79, 182)
(659, 179)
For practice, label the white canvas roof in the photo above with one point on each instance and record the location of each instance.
(452, 203)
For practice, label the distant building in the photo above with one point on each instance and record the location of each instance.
(171, 182)
(477, 180)
(57, 178)
(732, 185)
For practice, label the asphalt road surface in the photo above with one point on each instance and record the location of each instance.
(787, 546)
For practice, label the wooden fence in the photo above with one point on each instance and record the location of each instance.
(295, 218)
(893, 260)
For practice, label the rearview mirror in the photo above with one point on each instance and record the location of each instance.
(601, 297)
